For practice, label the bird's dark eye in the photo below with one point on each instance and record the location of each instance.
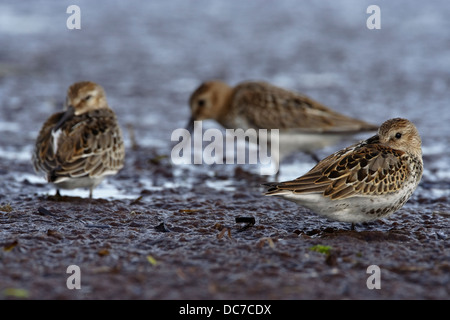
(201, 103)
(398, 135)
(87, 97)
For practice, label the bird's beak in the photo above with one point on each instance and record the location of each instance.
(190, 125)
(70, 112)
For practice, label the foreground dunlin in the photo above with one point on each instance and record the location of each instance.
(79, 147)
(364, 182)
(304, 124)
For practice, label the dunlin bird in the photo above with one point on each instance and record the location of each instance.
(364, 182)
(79, 147)
(304, 124)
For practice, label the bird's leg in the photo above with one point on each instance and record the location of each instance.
(277, 175)
(276, 164)
(90, 192)
(313, 156)
(275, 158)
(352, 227)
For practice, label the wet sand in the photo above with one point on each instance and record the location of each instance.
(184, 243)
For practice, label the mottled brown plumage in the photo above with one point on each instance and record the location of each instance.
(304, 124)
(77, 148)
(260, 105)
(379, 173)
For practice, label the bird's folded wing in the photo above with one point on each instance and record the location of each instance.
(369, 170)
(269, 107)
(87, 146)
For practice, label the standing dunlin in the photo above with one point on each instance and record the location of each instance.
(364, 182)
(79, 147)
(304, 124)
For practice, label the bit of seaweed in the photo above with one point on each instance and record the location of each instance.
(250, 221)
(162, 227)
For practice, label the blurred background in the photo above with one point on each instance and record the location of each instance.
(149, 57)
